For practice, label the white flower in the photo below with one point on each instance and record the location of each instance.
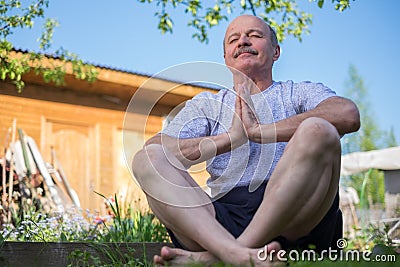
(16, 194)
(39, 190)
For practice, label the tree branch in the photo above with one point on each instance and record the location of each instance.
(252, 8)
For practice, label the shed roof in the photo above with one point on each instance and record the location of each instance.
(120, 85)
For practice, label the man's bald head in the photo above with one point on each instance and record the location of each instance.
(272, 33)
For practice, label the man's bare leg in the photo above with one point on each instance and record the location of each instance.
(302, 188)
(299, 191)
(321, 147)
(195, 227)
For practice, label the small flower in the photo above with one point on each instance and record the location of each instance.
(16, 195)
(39, 191)
(99, 220)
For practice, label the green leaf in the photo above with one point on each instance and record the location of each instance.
(63, 237)
(2, 240)
(3, 74)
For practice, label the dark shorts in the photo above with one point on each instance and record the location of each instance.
(236, 209)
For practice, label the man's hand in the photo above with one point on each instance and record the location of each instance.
(245, 124)
(237, 133)
(248, 115)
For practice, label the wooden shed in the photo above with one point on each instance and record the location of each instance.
(83, 122)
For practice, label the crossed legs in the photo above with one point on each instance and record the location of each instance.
(298, 195)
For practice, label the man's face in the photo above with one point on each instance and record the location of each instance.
(248, 46)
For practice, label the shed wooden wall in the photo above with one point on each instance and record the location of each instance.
(87, 139)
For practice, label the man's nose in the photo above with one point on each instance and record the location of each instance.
(244, 40)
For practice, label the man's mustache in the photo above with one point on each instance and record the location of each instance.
(245, 49)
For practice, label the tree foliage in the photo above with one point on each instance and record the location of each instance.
(283, 15)
(16, 14)
(369, 137)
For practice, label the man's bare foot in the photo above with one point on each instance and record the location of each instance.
(266, 256)
(179, 257)
(245, 257)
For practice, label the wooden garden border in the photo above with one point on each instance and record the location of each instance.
(56, 254)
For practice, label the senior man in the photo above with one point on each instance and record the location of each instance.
(273, 154)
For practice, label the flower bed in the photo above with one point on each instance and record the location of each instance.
(125, 237)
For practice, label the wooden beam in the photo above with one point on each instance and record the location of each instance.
(114, 82)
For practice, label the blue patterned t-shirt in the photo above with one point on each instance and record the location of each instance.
(209, 114)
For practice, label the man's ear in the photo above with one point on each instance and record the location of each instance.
(277, 53)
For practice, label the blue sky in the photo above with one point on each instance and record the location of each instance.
(124, 35)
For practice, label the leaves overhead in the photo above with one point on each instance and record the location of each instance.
(16, 14)
(284, 15)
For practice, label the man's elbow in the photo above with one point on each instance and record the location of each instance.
(352, 116)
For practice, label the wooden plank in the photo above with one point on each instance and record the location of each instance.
(60, 254)
(29, 111)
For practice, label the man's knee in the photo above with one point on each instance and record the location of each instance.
(146, 159)
(316, 135)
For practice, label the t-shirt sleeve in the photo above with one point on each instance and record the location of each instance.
(192, 120)
(307, 95)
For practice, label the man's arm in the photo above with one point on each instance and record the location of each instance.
(339, 111)
(191, 151)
